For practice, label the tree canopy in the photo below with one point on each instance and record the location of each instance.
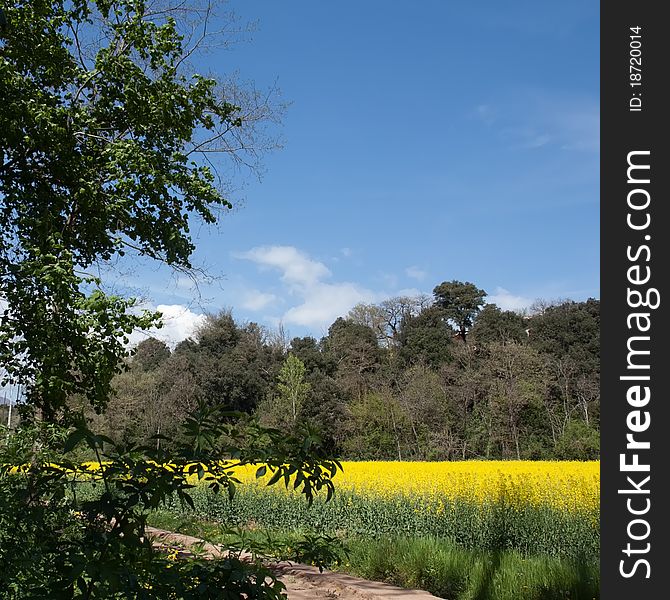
(104, 137)
(461, 302)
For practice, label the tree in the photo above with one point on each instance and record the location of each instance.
(386, 318)
(151, 354)
(421, 394)
(284, 409)
(426, 338)
(355, 350)
(377, 428)
(461, 303)
(233, 364)
(495, 325)
(518, 382)
(292, 387)
(568, 336)
(104, 141)
(104, 138)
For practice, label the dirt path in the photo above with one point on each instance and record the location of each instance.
(304, 582)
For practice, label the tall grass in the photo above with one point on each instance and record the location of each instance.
(439, 566)
(529, 529)
(450, 572)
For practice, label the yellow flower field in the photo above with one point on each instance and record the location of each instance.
(561, 485)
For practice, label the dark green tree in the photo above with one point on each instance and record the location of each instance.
(356, 353)
(495, 325)
(233, 364)
(568, 335)
(426, 338)
(461, 303)
(569, 329)
(150, 354)
(308, 351)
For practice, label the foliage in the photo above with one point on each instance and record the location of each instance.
(356, 352)
(104, 135)
(578, 440)
(504, 395)
(496, 325)
(375, 423)
(234, 365)
(284, 409)
(461, 302)
(74, 544)
(426, 338)
(150, 354)
(292, 387)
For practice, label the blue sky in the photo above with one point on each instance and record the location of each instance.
(425, 141)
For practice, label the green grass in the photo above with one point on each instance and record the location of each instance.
(435, 564)
(450, 572)
(530, 530)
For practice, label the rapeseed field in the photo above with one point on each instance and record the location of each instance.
(530, 506)
(572, 486)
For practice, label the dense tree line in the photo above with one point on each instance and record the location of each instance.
(448, 377)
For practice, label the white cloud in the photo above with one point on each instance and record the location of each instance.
(256, 300)
(179, 323)
(324, 302)
(319, 302)
(505, 300)
(296, 267)
(415, 273)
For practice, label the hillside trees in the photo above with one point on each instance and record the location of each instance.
(506, 394)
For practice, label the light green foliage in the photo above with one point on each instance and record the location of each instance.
(283, 409)
(377, 428)
(292, 387)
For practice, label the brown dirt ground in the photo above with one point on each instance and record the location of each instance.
(304, 582)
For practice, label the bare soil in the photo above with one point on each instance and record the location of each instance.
(304, 582)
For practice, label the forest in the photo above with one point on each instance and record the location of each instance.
(447, 377)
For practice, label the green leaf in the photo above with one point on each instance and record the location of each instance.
(74, 439)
